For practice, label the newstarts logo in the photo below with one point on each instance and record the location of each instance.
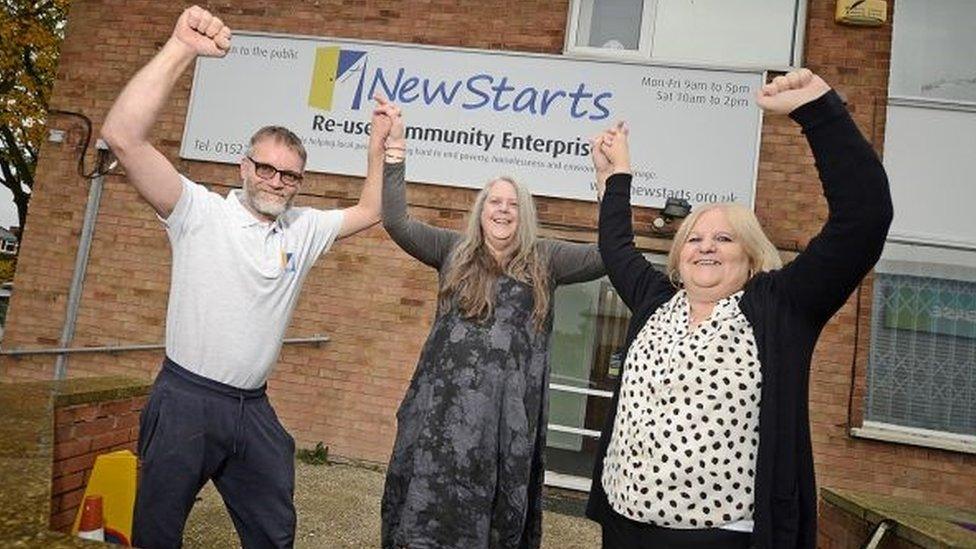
(484, 90)
(334, 65)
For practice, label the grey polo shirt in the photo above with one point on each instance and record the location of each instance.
(235, 282)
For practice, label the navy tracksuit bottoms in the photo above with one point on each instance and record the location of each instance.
(194, 429)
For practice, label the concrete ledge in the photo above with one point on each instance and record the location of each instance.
(922, 524)
(27, 452)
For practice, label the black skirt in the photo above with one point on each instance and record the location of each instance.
(619, 532)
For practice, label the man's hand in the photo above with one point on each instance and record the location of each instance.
(386, 127)
(386, 144)
(199, 32)
(129, 121)
(786, 93)
(600, 161)
(601, 164)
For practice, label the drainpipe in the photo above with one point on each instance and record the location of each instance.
(81, 262)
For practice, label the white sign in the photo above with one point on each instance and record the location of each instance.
(473, 115)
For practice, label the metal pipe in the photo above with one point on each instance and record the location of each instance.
(879, 533)
(962, 246)
(930, 103)
(78, 276)
(316, 340)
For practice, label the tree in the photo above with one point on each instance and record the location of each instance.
(30, 40)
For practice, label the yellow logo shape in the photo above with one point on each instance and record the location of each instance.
(331, 65)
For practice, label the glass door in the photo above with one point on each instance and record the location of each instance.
(589, 333)
(589, 329)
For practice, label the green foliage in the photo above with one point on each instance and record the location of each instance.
(7, 267)
(317, 456)
(30, 41)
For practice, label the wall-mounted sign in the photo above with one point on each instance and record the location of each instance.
(473, 115)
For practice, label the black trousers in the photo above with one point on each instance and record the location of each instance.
(194, 429)
(619, 532)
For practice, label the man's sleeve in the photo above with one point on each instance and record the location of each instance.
(328, 223)
(186, 211)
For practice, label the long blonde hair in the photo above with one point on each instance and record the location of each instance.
(761, 252)
(473, 271)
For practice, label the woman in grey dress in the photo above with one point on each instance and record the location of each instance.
(467, 465)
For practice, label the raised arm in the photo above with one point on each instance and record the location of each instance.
(366, 212)
(129, 121)
(572, 262)
(822, 277)
(630, 273)
(428, 244)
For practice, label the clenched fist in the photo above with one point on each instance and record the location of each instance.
(198, 30)
(786, 93)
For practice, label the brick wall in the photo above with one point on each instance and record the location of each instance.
(839, 529)
(856, 61)
(82, 432)
(372, 299)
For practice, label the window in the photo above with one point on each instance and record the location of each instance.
(930, 133)
(611, 24)
(922, 355)
(932, 50)
(763, 33)
(921, 378)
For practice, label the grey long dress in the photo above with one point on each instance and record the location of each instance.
(467, 465)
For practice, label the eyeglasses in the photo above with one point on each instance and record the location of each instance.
(267, 171)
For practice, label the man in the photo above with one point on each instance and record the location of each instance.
(238, 265)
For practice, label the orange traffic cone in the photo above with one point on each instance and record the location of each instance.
(91, 525)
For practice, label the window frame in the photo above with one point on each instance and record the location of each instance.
(917, 261)
(913, 255)
(646, 41)
(573, 23)
(914, 436)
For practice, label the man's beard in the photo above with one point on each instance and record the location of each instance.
(261, 203)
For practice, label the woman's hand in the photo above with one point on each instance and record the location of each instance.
(786, 93)
(601, 164)
(611, 154)
(387, 133)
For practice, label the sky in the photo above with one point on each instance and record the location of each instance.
(8, 212)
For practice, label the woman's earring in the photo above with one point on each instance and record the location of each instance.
(675, 279)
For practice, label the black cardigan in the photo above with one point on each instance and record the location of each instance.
(787, 308)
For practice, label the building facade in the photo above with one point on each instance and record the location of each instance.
(881, 422)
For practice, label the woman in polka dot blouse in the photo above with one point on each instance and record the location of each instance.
(708, 445)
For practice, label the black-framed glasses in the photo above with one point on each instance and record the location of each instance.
(267, 171)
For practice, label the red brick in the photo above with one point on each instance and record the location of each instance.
(335, 392)
(69, 500)
(75, 414)
(71, 448)
(115, 408)
(101, 443)
(127, 421)
(67, 483)
(95, 427)
(62, 521)
(74, 464)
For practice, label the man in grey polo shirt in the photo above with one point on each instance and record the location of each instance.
(238, 265)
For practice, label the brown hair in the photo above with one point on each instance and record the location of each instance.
(474, 271)
(280, 134)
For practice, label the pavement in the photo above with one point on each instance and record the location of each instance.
(338, 506)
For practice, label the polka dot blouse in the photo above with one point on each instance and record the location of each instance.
(682, 453)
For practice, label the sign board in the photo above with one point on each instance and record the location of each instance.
(473, 115)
